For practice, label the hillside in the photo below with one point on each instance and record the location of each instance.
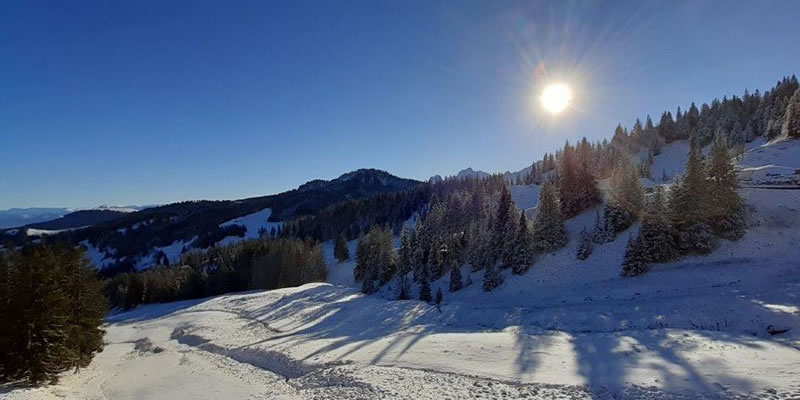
(725, 325)
(127, 241)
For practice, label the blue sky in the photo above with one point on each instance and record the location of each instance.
(146, 102)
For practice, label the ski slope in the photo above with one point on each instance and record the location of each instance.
(726, 325)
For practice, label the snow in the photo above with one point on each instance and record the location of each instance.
(253, 223)
(772, 163)
(172, 251)
(12, 232)
(99, 258)
(49, 232)
(671, 161)
(699, 327)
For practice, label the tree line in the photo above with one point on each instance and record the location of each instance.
(251, 264)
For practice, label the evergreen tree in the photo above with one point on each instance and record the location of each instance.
(666, 127)
(492, 278)
(791, 119)
(549, 233)
(585, 247)
(500, 231)
(340, 250)
(522, 247)
(425, 290)
(455, 279)
(689, 206)
(627, 197)
(635, 262)
(403, 288)
(438, 296)
(725, 205)
(657, 241)
(52, 308)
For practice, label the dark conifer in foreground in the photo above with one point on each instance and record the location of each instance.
(439, 296)
(52, 308)
(689, 206)
(635, 262)
(657, 241)
(522, 257)
(726, 207)
(492, 278)
(425, 290)
(585, 246)
(340, 250)
(627, 197)
(549, 233)
(455, 279)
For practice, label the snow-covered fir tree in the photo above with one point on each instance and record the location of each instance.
(492, 278)
(791, 120)
(689, 207)
(627, 196)
(635, 261)
(602, 232)
(549, 233)
(585, 246)
(522, 257)
(455, 279)
(726, 207)
(425, 290)
(657, 241)
(340, 250)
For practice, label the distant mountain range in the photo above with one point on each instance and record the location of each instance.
(20, 217)
(120, 234)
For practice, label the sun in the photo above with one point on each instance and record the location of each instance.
(556, 97)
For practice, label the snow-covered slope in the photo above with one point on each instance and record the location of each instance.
(253, 223)
(725, 325)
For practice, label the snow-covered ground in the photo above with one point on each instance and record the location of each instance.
(725, 325)
(699, 327)
(253, 223)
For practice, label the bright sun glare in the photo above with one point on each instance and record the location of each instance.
(556, 97)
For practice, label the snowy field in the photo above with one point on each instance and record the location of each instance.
(723, 326)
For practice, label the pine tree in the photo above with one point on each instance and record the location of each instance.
(439, 296)
(791, 118)
(86, 307)
(403, 289)
(425, 290)
(340, 250)
(726, 206)
(657, 241)
(601, 232)
(500, 230)
(585, 247)
(522, 257)
(666, 128)
(492, 278)
(635, 260)
(549, 233)
(52, 308)
(689, 206)
(455, 279)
